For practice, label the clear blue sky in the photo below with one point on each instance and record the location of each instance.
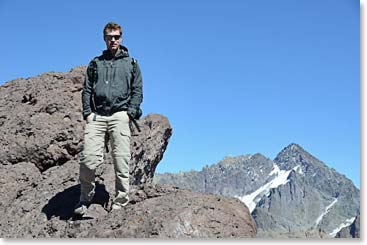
(233, 77)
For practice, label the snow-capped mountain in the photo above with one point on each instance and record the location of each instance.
(296, 195)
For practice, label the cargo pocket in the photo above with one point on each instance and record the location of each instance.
(87, 142)
(122, 144)
(125, 132)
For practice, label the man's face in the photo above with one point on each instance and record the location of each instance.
(112, 39)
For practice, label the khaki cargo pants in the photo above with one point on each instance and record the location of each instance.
(118, 128)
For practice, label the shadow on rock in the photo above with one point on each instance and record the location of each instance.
(63, 203)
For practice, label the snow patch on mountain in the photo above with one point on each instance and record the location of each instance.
(275, 170)
(346, 223)
(281, 179)
(326, 211)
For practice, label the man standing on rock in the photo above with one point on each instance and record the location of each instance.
(112, 94)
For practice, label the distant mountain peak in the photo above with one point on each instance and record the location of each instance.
(293, 147)
(258, 156)
(295, 195)
(294, 155)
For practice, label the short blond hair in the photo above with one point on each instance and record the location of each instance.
(112, 26)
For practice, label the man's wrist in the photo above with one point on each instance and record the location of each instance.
(85, 116)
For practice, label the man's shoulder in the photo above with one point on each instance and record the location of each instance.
(96, 59)
(99, 57)
(130, 60)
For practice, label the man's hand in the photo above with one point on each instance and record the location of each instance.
(85, 117)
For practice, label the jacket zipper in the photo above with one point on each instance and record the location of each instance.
(109, 85)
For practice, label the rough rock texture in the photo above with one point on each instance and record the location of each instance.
(154, 211)
(296, 195)
(41, 123)
(41, 136)
(230, 177)
(351, 231)
(174, 213)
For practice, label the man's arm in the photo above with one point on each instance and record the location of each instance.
(87, 90)
(136, 96)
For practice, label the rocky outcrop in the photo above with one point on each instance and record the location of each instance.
(295, 195)
(351, 231)
(172, 213)
(45, 209)
(41, 130)
(41, 123)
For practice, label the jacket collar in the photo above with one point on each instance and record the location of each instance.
(123, 52)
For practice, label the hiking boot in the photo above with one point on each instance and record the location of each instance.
(81, 207)
(116, 205)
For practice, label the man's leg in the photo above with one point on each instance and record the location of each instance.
(92, 155)
(120, 138)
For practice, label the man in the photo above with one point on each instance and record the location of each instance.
(112, 94)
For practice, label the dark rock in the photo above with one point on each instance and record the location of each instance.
(163, 212)
(351, 231)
